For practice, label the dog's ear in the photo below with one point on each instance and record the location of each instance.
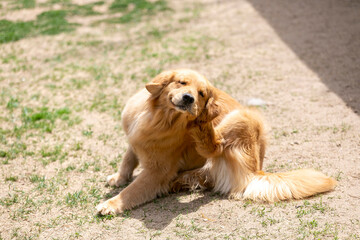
(210, 111)
(159, 82)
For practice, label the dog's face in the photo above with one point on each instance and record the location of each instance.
(187, 92)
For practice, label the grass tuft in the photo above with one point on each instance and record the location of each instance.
(12, 104)
(36, 178)
(134, 10)
(84, 10)
(43, 119)
(14, 31)
(76, 198)
(52, 23)
(23, 4)
(11, 179)
(47, 23)
(10, 200)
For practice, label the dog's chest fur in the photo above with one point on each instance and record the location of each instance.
(147, 135)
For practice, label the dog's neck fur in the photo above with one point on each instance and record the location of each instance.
(162, 127)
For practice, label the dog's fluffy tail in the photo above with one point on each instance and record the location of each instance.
(272, 187)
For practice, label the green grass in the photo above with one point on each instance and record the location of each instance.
(84, 167)
(54, 22)
(77, 146)
(83, 198)
(103, 103)
(187, 230)
(269, 222)
(10, 200)
(11, 179)
(33, 121)
(46, 152)
(83, 10)
(12, 104)
(88, 132)
(14, 149)
(75, 9)
(75, 199)
(43, 119)
(135, 10)
(47, 23)
(314, 230)
(70, 168)
(34, 178)
(140, 6)
(23, 4)
(79, 83)
(309, 209)
(14, 31)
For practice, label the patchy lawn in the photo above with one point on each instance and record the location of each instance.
(67, 69)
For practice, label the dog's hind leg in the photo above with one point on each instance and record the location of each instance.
(234, 148)
(128, 164)
(197, 179)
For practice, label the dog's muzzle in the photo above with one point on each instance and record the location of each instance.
(184, 102)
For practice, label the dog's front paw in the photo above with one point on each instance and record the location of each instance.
(111, 206)
(116, 180)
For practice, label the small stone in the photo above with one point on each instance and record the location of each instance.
(257, 102)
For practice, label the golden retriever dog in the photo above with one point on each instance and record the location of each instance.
(186, 134)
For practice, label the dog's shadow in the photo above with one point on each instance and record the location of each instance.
(160, 212)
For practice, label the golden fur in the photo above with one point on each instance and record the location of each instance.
(213, 143)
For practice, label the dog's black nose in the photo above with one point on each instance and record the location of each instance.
(188, 98)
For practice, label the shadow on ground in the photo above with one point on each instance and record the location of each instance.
(159, 213)
(325, 35)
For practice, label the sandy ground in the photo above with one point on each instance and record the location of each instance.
(300, 57)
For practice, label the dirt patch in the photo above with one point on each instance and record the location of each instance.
(61, 98)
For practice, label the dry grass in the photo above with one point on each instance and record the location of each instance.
(67, 69)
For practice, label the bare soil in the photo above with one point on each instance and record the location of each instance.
(300, 57)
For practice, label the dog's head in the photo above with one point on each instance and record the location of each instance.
(187, 92)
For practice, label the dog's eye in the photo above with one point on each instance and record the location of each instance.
(201, 93)
(182, 83)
